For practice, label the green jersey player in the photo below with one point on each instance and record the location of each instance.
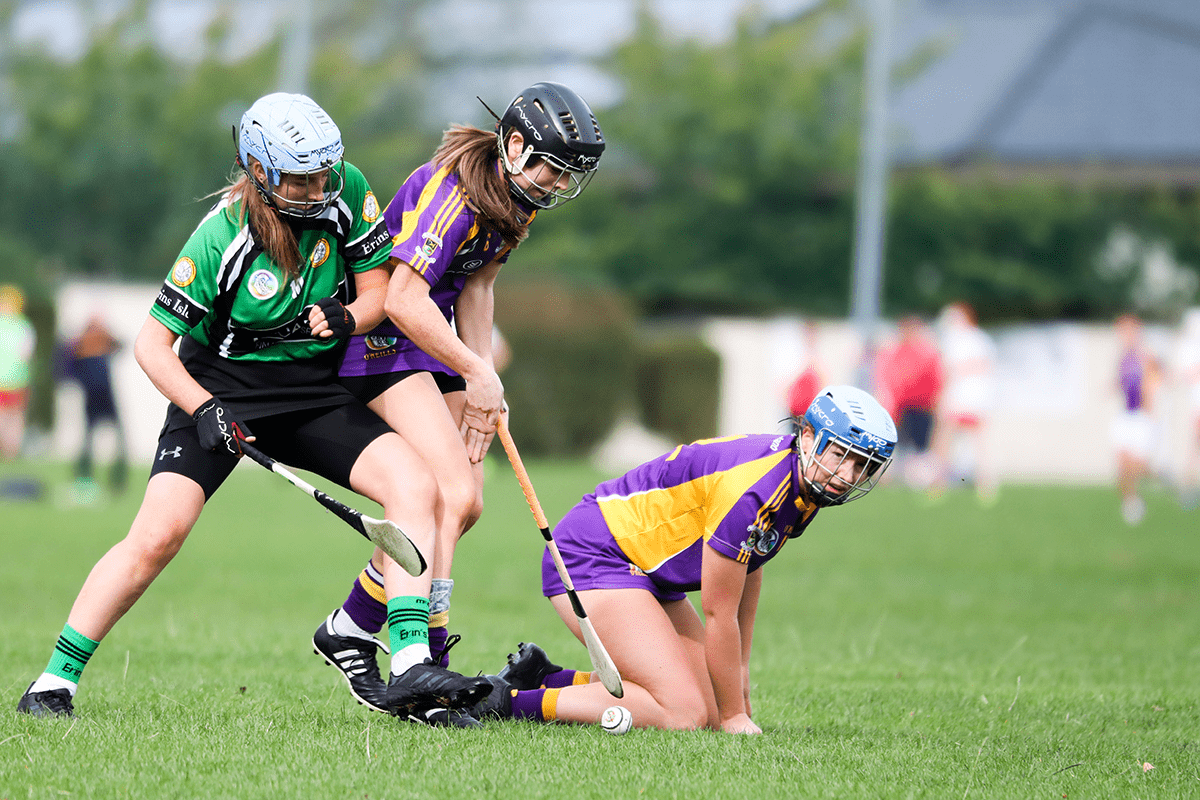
(277, 276)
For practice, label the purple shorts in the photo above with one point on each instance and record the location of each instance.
(593, 558)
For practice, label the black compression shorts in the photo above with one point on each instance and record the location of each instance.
(367, 387)
(326, 441)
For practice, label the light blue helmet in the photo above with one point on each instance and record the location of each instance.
(853, 422)
(291, 134)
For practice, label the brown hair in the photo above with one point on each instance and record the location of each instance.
(272, 233)
(473, 154)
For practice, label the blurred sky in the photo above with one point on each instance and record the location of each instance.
(487, 45)
(1021, 80)
(480, 28)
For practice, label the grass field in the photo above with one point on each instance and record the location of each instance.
(1038, 649)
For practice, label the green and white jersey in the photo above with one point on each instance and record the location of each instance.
(228, 296)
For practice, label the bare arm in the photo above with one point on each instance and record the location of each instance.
(474, 316)
(410, 307)
(723, 584)
(746, 613)
(154, 352)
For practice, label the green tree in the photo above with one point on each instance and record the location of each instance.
(115, 153)
(729, 167)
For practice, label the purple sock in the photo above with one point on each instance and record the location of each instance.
(367, 603)
(437, 640)
(566, 677)
(540, 705)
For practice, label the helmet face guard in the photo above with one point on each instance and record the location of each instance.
(544, 174)
(289, 134)
(560, 137)
(857, 428)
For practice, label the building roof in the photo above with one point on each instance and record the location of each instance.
(1069, 82)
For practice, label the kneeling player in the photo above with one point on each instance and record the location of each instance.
(704, 516)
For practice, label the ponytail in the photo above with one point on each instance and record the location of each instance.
(473, 155)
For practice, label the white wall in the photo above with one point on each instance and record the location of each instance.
(124, 308)
(1055, 397)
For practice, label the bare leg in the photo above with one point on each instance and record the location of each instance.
(169, 510)
(391, 473)
(416, 409)
(658, 664)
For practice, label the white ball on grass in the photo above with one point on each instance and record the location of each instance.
(616, 720)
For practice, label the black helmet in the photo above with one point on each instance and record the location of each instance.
(558, 127)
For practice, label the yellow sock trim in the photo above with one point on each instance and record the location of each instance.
(372, 588)
(581, 679)
(440, 620)
(550, 705)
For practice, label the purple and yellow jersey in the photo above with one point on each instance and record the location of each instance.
(740, 495)
(435, 232)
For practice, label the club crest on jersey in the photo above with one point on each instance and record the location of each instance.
(430, 243)
(380, 342)
(262, 284)
(184, 272)
(320, 252)
(370, 207)
(760, 541)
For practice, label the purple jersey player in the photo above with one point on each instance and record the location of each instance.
(706, 516)
(1133, 429)
(428, 368)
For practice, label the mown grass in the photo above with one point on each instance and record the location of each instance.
(1036, 649)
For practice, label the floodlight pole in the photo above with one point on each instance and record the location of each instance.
(296, 57)
(871, 201)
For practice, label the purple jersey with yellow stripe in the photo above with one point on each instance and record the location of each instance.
(739, 495)
(435, 232)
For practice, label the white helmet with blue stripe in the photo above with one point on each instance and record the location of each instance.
(291, 134)
(859, 429)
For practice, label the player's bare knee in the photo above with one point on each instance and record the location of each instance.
(686, 713)
(462, 501)
(155, 546)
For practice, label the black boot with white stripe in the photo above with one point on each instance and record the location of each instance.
(354, 657)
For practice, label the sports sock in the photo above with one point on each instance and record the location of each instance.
(566, 677)
(439, 595)
(71, 654)
(540, 705)
(342, 625)
(439, 617)
(408, 631)
(367, 602)
(438, 634)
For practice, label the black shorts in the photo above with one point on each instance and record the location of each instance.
(326, 441)
(367, 387)
(915, 428)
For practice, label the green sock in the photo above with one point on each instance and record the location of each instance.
(408, 622)
(71, 654)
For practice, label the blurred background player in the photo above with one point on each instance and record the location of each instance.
(1133, 428)
(706, 516)
(909, 376)
(17, 340)
(259, 303)
(430, 368)
(1187, 370)
(960, 431)
(88, 362)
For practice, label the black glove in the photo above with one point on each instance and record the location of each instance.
(339, 319)
(218, 430)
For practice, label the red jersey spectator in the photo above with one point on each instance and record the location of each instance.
(910, 377)
(804, 388)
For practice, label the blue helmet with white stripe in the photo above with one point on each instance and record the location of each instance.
(291, 134)
(858, 429)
